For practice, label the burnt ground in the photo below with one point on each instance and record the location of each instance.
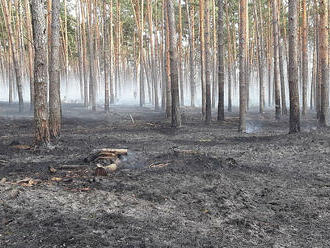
(262, 189)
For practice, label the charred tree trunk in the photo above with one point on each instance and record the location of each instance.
(324, 67)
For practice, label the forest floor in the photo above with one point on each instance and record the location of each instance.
(262, 189)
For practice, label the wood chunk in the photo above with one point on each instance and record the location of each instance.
(52, 170)
(111, 168)
(56, 179)
(100, 171)
(21, 147)
(106, 154)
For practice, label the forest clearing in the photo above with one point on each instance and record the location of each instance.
(263, 189)
(164, 123)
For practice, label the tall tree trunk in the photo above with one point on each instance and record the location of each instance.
(40, 72)
(304, 56)
(260, 53)
(168, 69)
(84, 51)
(54, 73)
(230, 59)
(314, 74)
(14, 52)
(163, 58)
(180, 55)
(281, 64)
(214, 57)
(80, 54)
(153, 60)
(176, 116)
(30, 49)
(142, 91)
(318, 71)
(66, 48)
(112, 93)
(293, 68)
(276, 64)
(243, 45)
(221, 67)
(208, 106)
(323, 47)
(91, 44)
(191, 33)
(105, 59)
(202, 52)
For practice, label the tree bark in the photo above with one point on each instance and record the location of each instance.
(54, 73)
(30, 49)
(105, 59)
(180, 55)
(304, 57)
(293, 68)
(281, 65)
(84, 51)
(276, 62)
(202, 52)
(243, 44)
(40, 72)
(153, 60)
(208, 106)
(221, 67)
(167, 62)
(15, 56)
(176, 117)
(91, 45)
(191, 33)
(323, 47)
(260, 53)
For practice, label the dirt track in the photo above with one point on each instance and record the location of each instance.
(262, 189)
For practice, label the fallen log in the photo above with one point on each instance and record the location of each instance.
(115, 151)
(100, 171)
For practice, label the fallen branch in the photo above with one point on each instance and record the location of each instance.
(71, 167)
(159, 165)
(132, 118)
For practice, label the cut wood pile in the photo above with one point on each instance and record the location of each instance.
(106, 160)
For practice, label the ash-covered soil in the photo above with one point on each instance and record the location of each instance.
(198, 186)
